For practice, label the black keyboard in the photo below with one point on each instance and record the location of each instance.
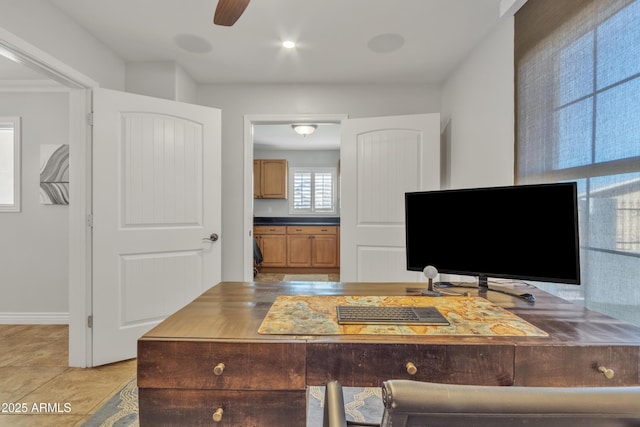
(363, 314)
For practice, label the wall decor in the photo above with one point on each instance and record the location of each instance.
(54, 174)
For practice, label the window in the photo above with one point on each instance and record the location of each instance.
(9, 164)
(314, 190)
(578, 119)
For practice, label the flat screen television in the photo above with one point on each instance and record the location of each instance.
(527, 232)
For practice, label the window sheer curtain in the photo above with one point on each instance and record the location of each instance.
(578, 119)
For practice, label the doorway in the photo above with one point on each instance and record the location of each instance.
(79, 88)
(272, 137)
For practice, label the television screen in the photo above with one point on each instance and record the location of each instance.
(520, 232)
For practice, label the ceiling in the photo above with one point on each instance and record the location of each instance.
(283, 137)
(333, 37)
(338, 41)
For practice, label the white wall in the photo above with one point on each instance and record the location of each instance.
(186, 87)
(476, 102)
(478, 117)
(44, 26)
(478, 113)
(295, 158)
(236, 101)
(35, 242)
(161, 79)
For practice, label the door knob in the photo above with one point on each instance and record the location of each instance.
(212, 238)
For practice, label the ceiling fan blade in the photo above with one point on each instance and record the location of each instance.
(228, 11)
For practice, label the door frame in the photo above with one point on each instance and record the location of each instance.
(80, 88)
(266, 119)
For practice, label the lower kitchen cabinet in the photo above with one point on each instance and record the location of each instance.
(310, 248)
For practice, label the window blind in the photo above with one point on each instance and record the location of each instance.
(314, 190)
(302, 190)
(577, 68)
(323, 192)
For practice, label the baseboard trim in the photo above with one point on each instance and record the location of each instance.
(300, 270)
(30, 318)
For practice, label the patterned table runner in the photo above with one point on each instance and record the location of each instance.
(316, 315)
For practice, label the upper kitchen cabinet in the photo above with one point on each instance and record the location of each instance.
(270, 179)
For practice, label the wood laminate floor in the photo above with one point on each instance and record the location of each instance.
(34, 376)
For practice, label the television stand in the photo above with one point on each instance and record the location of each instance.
(483, 282)
(483, 286)
(511, 291)
(430, 292)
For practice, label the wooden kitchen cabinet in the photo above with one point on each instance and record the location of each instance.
(272, 241)
(299, 249)
(312, 246)
(270, 179)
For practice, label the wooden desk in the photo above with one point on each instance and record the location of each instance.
(264, 378)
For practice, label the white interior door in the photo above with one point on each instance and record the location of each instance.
(381, 159)
(156, 202)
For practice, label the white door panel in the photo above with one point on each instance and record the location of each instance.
(156, 199)
(382, 264)
(383, 158)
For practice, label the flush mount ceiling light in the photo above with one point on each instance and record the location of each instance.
(288, 44)
(304, 130)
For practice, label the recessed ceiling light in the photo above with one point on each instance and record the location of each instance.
(288, 44)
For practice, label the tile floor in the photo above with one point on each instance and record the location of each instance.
(34, 371)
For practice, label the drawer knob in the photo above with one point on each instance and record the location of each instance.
(217, 415)
(219, 369)
(411, 368)
(608, 373)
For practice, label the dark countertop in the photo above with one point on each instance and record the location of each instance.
(288, 220)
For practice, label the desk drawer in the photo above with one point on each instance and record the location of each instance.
(180, 364)
(167, 407)
(369, 364)
(568, 366)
